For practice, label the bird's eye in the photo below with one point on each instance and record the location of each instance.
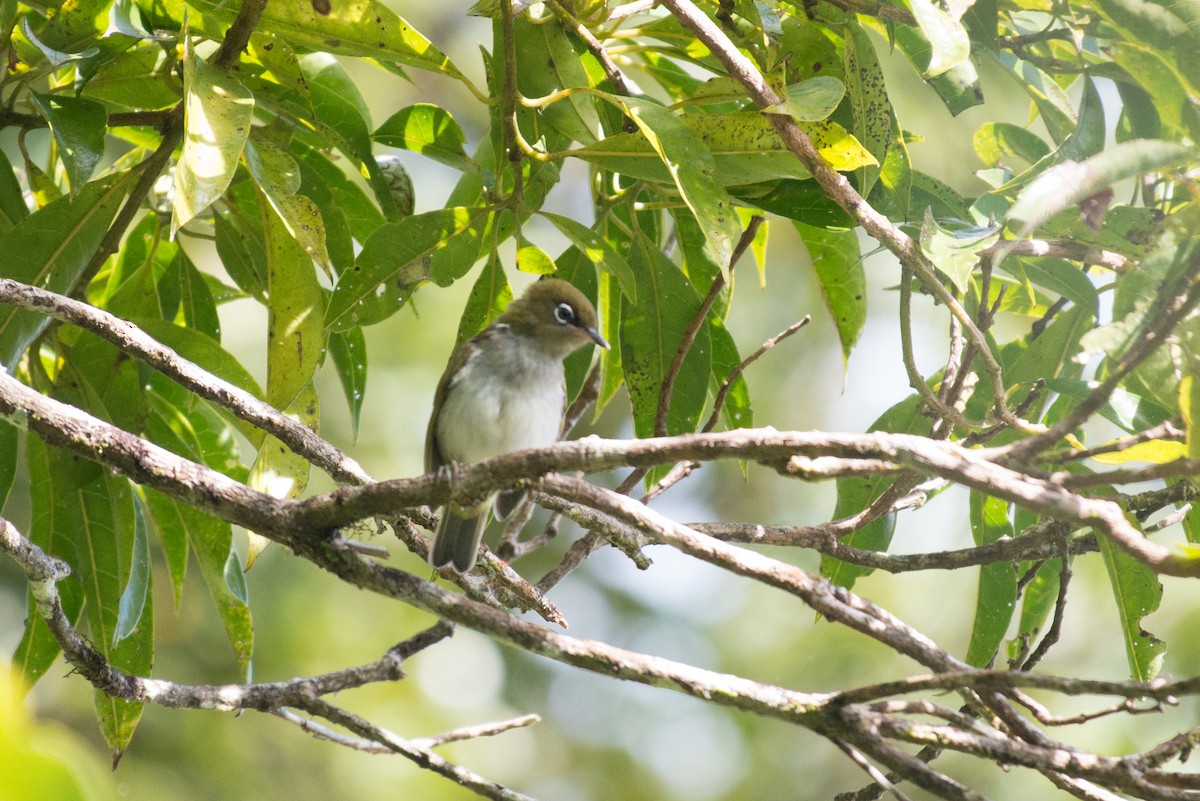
(564, 314)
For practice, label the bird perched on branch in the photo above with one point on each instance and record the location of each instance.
(503, 391)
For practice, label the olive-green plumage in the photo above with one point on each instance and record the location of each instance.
(502, 391)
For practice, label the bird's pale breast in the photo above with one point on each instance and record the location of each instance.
(502, 400)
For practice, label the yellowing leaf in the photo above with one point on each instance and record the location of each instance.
(1156, 452)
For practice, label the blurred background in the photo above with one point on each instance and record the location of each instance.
(599, 739)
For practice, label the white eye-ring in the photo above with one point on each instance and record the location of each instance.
(564, 314)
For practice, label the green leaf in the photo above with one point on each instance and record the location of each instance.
(132, 82)
(137, 586)
(869, 103)
(737, 410)
(79, 126)
(429, 130)
(1126, 409)
(652, 329)
(196, 300)
(811, 100)
(240, 248)
(1137, 591)
(996, 140)
(547, 61)
(197, 347)
(217, 114)
(532, 259)
(212, 542)
(1189, 407)
(88, 513)
(365, 28)
(278, 471)
(743, 145)
(278, 177)
(1041, 593)
(855, 494)
(1158, 23)
(1088, 138)
(1050, 99)
(38, 649)
(392, 263)
(997, 598)
(1070, 182)
(598, 251)
(50, 248)
(295, 330)
(349, 351)
(954, 252)
(12, 200)
(1160, 78)
(1059, 276)
(837, 261)
(946, 36)
(10, 438)
(691, 167)
(490, 296)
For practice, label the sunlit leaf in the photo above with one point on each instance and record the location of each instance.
(598, 251)
(391, 264)
(217, 114)
(429, 130)
(743, 145)
(278, 177)
(366, 28)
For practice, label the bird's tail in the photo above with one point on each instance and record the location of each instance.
(457, 539)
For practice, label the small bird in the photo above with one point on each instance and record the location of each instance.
(503, 391)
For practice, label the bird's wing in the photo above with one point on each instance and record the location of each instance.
(433, 453)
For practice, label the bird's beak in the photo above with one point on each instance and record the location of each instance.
(595, 335)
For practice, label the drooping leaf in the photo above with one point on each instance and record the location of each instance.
(855, 494)
(489, 297)
(652, 330)
(872, 111)
(996, 601)
(79, 126)
(50, 248)
(278, 177)
(212, 542)
(217, 114)
(349, 351)
(945, 33)
(838, 264)
(1137, 591)
(598, 251)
